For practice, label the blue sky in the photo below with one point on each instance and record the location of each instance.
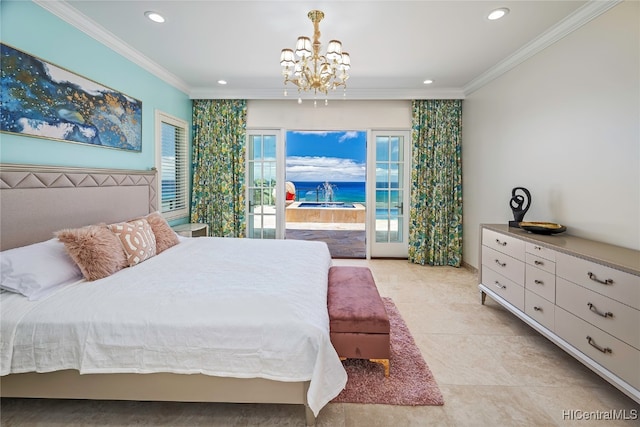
(326, 155)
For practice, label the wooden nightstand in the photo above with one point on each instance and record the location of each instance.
(192, 230)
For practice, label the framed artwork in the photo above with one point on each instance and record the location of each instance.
(43, 100)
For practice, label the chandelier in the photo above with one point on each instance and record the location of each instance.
(313, 71)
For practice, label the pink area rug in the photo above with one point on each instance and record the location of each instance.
(410, 382)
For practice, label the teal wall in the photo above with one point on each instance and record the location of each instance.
(30, 28)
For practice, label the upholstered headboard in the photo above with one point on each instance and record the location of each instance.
(36, 201)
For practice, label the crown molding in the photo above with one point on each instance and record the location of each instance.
(577, 19)
(351, 94)
(70, 15)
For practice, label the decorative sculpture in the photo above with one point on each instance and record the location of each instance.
(519, 204)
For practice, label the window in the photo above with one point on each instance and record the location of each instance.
(172, 165)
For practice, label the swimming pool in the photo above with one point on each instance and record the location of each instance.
(336, 212)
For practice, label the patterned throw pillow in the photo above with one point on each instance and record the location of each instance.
(137, 239)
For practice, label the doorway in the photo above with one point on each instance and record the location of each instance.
(369, 170)
(326, 189)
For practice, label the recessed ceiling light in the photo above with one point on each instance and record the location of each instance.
(154, 16)
(498, 13)
(427, 82)
(222, 82)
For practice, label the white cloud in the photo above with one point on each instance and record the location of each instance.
(348, 135)
(332, 169)
(344, 137)
(311, 132)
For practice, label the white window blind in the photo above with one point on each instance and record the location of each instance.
(173, 167)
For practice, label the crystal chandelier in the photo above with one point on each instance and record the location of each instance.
(313, 71)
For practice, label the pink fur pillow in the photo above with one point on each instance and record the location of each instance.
(96, 250)
(137, 239)
(165, 236)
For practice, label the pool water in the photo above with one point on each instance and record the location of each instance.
(338, 205)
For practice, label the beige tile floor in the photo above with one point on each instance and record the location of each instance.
(492, 369)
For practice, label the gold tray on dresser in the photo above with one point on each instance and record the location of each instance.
(542, 227)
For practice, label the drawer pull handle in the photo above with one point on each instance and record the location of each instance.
(500, 286)
(536, 262)
(501, 243)
(598, 312)
(538, 282)
(537, 308)
(538, 248)
(501, 264)
(596, 346)
(595, 279)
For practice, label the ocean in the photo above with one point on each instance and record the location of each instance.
(306, 191)
(312, 191)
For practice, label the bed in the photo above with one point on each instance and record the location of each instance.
(207, 320)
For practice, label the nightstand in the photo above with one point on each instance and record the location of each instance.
(192, 230)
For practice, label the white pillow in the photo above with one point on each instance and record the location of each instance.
(37, 269)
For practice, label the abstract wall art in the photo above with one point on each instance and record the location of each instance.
(43, 100)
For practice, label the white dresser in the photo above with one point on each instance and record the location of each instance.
(581, 294)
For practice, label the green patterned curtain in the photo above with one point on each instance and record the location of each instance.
(218, 162)
(435, 227)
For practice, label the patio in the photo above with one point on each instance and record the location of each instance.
(345, 240)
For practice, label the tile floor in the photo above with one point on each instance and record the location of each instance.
(492, 369)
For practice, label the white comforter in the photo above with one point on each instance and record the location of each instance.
(225, 307)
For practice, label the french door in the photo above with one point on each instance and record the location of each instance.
(265, 184)
(388, 176)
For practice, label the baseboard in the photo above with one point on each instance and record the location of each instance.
(469, 267)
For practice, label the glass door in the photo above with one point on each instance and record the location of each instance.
(264, 172)
(389, 177)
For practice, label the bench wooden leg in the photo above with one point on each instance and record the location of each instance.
(383, 362)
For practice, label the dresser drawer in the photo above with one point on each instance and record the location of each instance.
(504, 287)
(621, 321)
(618, 357)
(504, 264)
(539, 309)
(541, 263)
(503, 243)
(616, 284)
(540, 282)
(541, 251)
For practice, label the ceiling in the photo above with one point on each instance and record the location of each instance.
(394, 45)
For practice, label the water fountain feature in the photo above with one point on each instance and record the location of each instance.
(327, 192)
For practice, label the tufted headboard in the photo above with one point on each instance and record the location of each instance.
(36, 201)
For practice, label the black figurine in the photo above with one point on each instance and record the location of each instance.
(517, 202)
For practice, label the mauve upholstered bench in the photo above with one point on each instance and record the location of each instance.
(359, 324)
